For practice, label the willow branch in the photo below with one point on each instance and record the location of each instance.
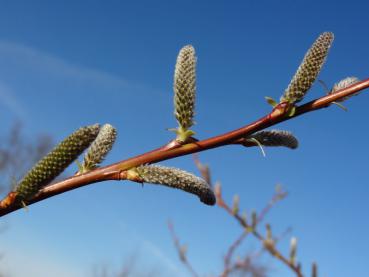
(117, 170)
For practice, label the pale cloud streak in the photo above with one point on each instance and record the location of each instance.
(45, 66)
(45, 62)
(9, 101)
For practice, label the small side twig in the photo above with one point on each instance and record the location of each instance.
(203, 168)
(181, 249)
(277, 196)
(228, 257)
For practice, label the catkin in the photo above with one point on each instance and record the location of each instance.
(275, 138)
(308, 69)
(56, 161)
(344, 83)
(179, 179)
(100, 147)
(185, 87)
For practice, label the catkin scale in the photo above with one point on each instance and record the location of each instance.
(56, 162)
(179, 179)
(308, 69)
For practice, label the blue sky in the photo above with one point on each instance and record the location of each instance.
(68, 64)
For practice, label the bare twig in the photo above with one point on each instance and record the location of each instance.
(181, 249)
(114, 171)
(203, 168)
(228, 257)
(278, 196)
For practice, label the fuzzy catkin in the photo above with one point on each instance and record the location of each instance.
(344, 83)
(276, 138)
(56, 161)
(100, 147)
(179, 179)
(308, 69)
(185, 87)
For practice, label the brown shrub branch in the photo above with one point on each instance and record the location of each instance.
(117, 170)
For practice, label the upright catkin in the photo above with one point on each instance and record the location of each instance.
(55, 162)
(99, 148)
(185, 87)
(308, 69)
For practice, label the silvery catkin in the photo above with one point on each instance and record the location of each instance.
(99, 148)
(344, 83)
(179, 179)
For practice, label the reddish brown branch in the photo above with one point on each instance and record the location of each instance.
(112, 172)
